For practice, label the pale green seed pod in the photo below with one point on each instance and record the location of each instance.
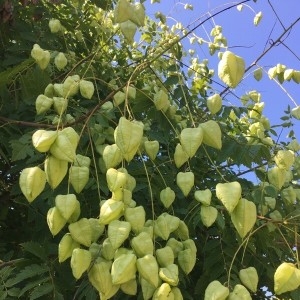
(32, 182)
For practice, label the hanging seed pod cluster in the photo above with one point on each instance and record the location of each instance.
(138, 169)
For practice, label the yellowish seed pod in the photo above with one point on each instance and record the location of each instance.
(55, 220)
(80, 261)
(32, 182)
(66, 247)
(55, 169)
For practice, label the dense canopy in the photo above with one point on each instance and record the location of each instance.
(125, 172)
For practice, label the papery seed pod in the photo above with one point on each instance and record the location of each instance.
(161, 228)
(149, 229)
(208, 215)
(180, 156)
(249, 278)
(296, 76)
(163, 292)
(66, 204)
(123, 268)
(215, 290)
(130, 183)
(214, 103)
(115, 179)
(142, 244)
(229, 194)
(136, 217)
(177, 293)
(55, 220)
(258, 73)
(151, 148)
(118, 195)
(138, 14)
(44, 62)
(97, 229)
(119, 98)
(239, 292)
(32, 182)
(111, 210)
(120, 251)
(60, 61)
(173, 222)
(43, 104)
(289, 195)
(161, 100)
(43, 139)
(112, 156)
(270, 202)
(37, 52)
(128, 28)
(80, 262)
(108, 251)
(129, 287)
(118, 232)
(171, 112)
(277, 177)
(256, 111)
(257, 18)
(60, 104)
(81, 232)
(49, 90)
(76, 213)
(286, 278)
(190, 244)
(58, 90)
(95, 250)
(175, 245)
(284, 159)
(78, 177)
(244, 217)
(55, 169)
(186, 260)
(191, 139)
(86, 89)
(123, 11)
(65, 145)
(147, 289)
(114, 289)
(296, 112)
(128, 136)
(182, 231)
(100, 277)
(212, 135)
(71, 86)
(185, 182)
(231, 69)
(203, 196)
(82, 161)
(55, 25)
(127, 198)
(165, 256)
(169, 274)
(167, 197)
(148, 269)
(66, 247)
(130, 91)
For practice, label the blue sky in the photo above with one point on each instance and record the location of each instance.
(248, 41)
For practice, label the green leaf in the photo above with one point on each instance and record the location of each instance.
(41, 290)
(36, 249)
(20, 150)
(33, 283)
(26, 273)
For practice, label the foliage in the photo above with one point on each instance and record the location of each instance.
(119, 162)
